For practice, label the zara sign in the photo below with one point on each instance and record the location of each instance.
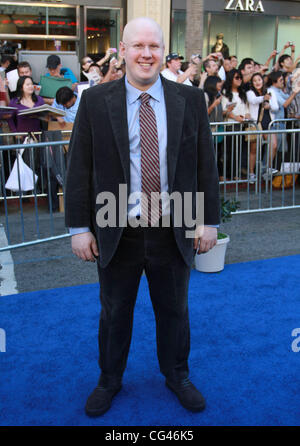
(244, 5)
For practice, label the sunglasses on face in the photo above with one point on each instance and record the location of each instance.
(238, 78)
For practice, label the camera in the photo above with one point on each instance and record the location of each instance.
(8, 48)
(195, 56)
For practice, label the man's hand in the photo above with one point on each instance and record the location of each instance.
(62, 123)
(192, 70)
(207, 239)
(84, 246)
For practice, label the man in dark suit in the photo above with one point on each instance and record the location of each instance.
(149, 135)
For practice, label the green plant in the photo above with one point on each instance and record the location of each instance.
(227, 207)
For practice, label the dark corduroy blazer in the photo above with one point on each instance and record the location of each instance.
(99, 160)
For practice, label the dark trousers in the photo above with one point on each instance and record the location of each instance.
(153, 250)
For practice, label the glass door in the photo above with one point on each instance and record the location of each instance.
(102, 30)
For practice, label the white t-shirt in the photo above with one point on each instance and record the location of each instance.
(240, 108)
(222, 73)
(168, 74)
(254, 102)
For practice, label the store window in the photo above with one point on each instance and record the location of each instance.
(221, 23)
(288, 31)
(245, 35)
(102, 30)
(20, 19)
(25, 20)
(178, 32)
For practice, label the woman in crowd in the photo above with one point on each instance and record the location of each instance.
(25, 98)
(86, 62)
(236, 109)
(108, 72)
(94, 68)
(234, 94)
(259, 98)
(212, 92)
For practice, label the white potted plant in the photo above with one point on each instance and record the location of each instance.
(213, 261)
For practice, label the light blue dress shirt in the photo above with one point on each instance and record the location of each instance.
(70, 112)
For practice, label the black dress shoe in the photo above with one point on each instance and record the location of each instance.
(100, 400)
(188, 395)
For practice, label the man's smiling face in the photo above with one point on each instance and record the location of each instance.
(143, 50)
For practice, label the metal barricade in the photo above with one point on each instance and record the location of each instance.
(30, 217)
(259, 194)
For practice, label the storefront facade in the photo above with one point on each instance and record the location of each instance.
(251, 28)
(85, 26)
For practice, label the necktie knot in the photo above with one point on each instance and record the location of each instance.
(145, 98)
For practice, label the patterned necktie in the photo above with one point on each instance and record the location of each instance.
(150, 171)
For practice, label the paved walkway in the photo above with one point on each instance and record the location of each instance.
(50, 265)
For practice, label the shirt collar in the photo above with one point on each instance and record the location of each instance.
(155, 91)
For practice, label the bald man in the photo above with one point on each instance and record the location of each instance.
(152, 137)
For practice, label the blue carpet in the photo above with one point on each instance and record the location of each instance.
(241, 355)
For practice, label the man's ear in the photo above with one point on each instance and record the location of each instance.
(122, 49)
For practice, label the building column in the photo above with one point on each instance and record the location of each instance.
(194, 27)
(159, 10)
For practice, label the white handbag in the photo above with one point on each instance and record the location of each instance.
(26, 175)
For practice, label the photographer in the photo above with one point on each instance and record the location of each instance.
(173, 71)
(285, 62)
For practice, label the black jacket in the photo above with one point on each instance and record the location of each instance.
(99, 160)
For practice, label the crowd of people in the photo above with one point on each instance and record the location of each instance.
(243, 92)
(237, 92)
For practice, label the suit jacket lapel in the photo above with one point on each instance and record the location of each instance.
(175, 108)
(116, 105)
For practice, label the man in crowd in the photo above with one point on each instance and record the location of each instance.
(285, 62)
(211, 67)
(152, 136)
(233, 62)
(67, 101)
(24, 69)
(174, 73)
(55, 68)
(5, 62)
